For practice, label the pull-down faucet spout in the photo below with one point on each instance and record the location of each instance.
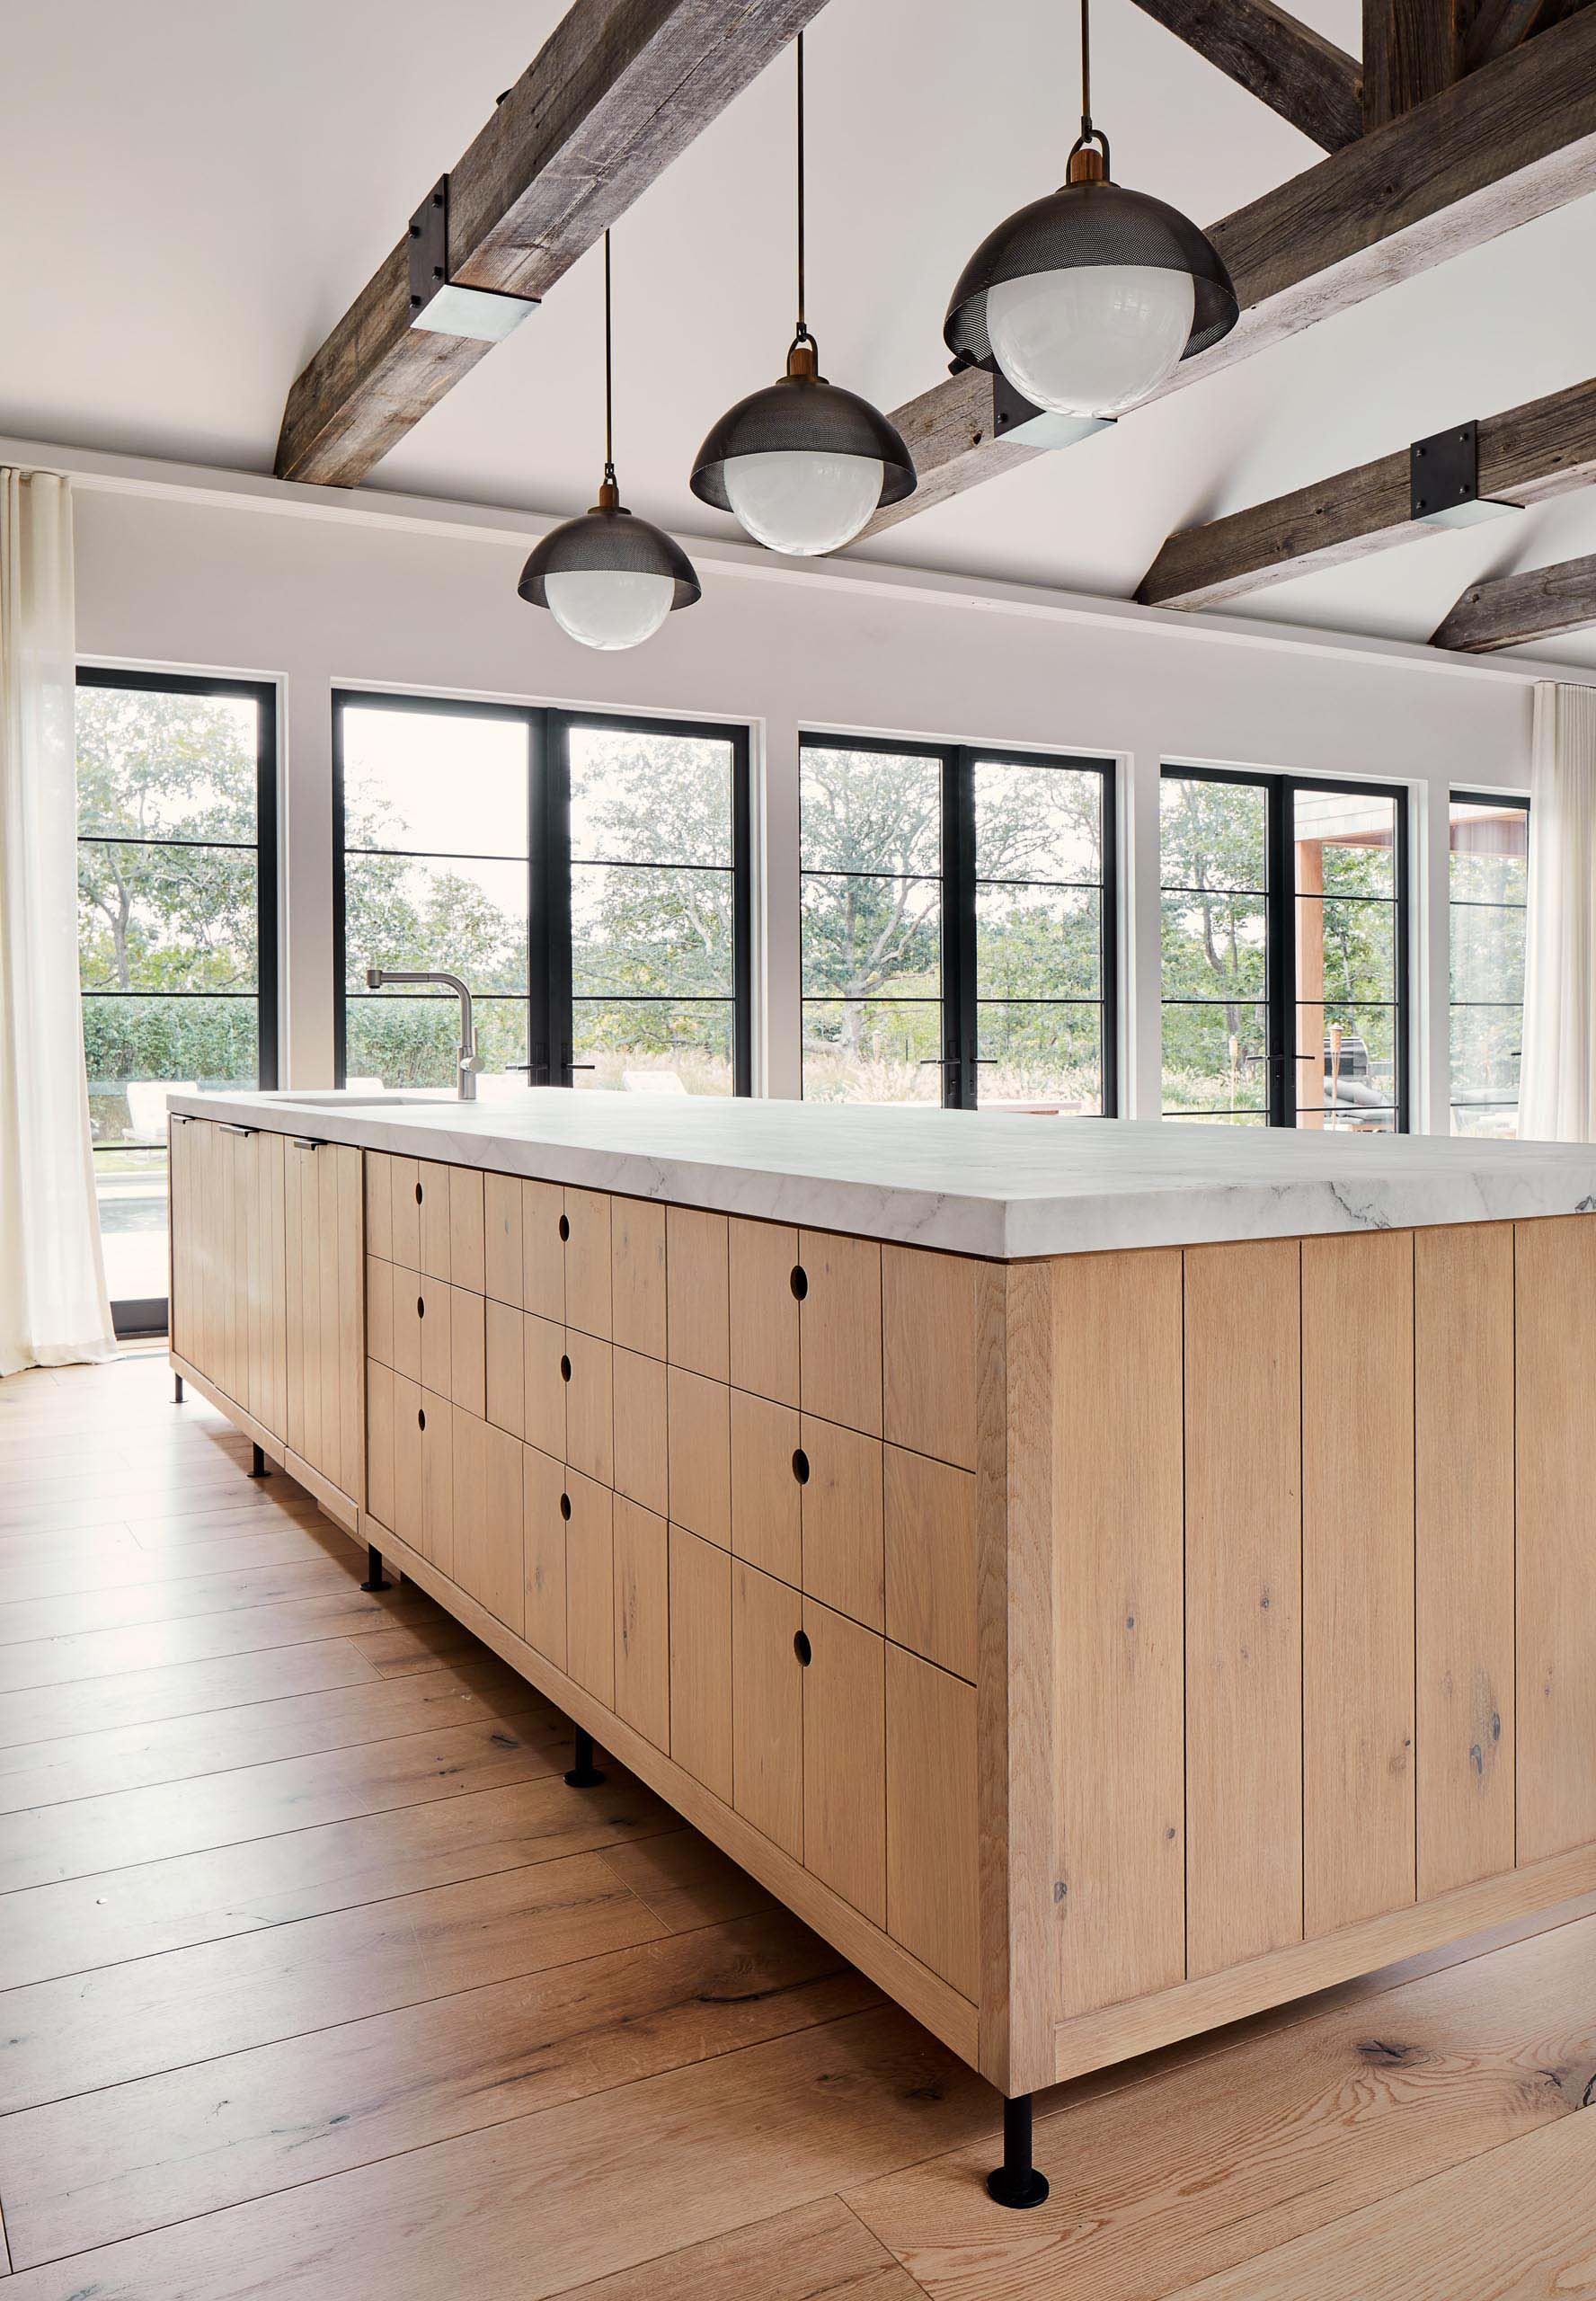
(470, 1061)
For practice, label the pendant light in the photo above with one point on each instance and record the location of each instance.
(1088, 300)
(607, 578)
(803, 465)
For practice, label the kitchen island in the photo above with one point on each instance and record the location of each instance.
(1107, 1579)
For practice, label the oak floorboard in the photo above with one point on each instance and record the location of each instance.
(532, 2209)
(166, 1645)
(124, 2021)
(127, 1563)
(181, 1689)
(688, 1882)
(228, 1808)
(178, 1749)
(112, 2164)
(129, 1606)
(411, 1648)
(151, 1908)
(1160, 2181)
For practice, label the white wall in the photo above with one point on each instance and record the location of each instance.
(309, 591)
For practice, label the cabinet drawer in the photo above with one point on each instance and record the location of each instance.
(404, 1212)
(543, 1535)
(379, 1311)
(642, 1621)
(929, 1512)
(699, 1447)
(587, 1238)
(432, 1204)
(844, 1557)
(637, 1276)
(543, 1250)
(468, 1243)
(379, 1210)
(931, 1819)
(764, 1347)
(701, 1661)
(839, 1327)
(642, 1461)
(504, 1372)
(488, 1516)
(767, 1707)
(587, 1367)
(698, 1290)
(766, 1523)
(501, 1239)
(590, 1587)
(468, 1347)
(543, 1347)
(844, 1759)
(929, 1342)
(431, 1313)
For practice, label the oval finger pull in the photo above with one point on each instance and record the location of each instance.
(564, 1369)
(418, 1193)
(801, 1466)
(799, 1282)
(564, 1226)
(564, 1506)
(421, 1306)
(802, 1647)
(420, 1417)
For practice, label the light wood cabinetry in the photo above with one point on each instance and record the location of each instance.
(844, 1759)
(767, 1707)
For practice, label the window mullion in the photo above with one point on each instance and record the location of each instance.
(960, 1074)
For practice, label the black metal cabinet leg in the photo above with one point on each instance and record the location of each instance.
(258, 1463)
(1017, 2181)
(177, 1390)
(376, 1579)
(584, 1774)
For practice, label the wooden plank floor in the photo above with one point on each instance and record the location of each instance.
(317, 1982)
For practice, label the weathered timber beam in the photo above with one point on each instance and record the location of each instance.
(616, 91)
(1507, 144)
(1516, 610)
(1307, 79)
(1412, 50)
(1532, 453)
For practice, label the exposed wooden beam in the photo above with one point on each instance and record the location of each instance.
(1532, 453)
(1498, 25)
(616, 91)
(1412, 50)
(1515, 610)
(1507, 144)
(1307, 79)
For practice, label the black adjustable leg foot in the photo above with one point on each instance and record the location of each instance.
(584, 1774)
(1017, 2181)
(258, 1464)
(376, 1579)
(177, 1389)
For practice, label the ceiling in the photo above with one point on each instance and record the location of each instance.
(193, 206)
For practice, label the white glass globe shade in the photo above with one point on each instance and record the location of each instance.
(800, 503)
(608, 606)
(1093, 339)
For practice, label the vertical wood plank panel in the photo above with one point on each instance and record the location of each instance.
(379, 1206)
(931, 1825)
(409, 1520)
(637, 1274)
(589, 1588)
(1463, 1586)
(767, 1707)
(544, 1541)
(350, 1476)
(542, 1251)
(845, 1759)
(1555, 1294)
(293, 1167)
(504, 1377)
(1359, 1840)
(434, 1204)
(379, 1444)
(404, 1212)
(701, 1660)
(764, 1310)
(1244, 1602)
(502, 1242)
(929, 1315)
(436, 1419)
(840, 1330)
(697, 1292)
(468, 1262)
(641, 1460)
(276, 1418)
(587, 1254)
(642, 1622)
(1117, 1522)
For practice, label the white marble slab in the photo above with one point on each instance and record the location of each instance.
(979, 1183)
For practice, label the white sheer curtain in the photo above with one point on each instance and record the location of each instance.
(1557, 1074)
(53, 1309)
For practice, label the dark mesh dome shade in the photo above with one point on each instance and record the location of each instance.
(1090, 224)
(608, 543)
(804, 415)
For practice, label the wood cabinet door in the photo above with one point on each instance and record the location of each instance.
(766, 1520)
(931, 1827)
(929, 1309)
(587, 1237)
(505, 1376)
(303, 1293)
(184, 1217)
(701, 1660)
(543, 1491)
(379, 1443)
(488, 1504)
(432, 1316)
(928, 1509)
(501, 1239)
(544, 1361)
(268, 1339)
(408, 1500)
(839, 1322)
(642, 1621)
(764, 1257)
(432, 1202)
(767, 1707)
(543, 1227)
(637, 1276)
(590, 1587)
(404, 1212)
(380, 1205)
(696, 1283)
(699, 1445)
(467, 1351)
(589, 1411)
(467, 1245)
(324, 1246)
(845, 1839)
(843, 1556)
(642, 1468)
(435, 1419)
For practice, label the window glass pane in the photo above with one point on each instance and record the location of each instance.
(1489, 867)
(882, 1051)
(166, 918)
(157, 765)
(1346, 843)
(1037, 942)
(1042, 1053)
(1215, 1058)
(434, 782)
(399, 1040)
(870, 811)
(639, 797)
(665, 1046)
(1038, 822)
(865, 936)
(1490, 851)
(1346, 1066)
(466, 916)
(131, 1190)
(1214, 834)
(1485, 1048)
(656, 931)
(1488, 952)
(1214, 946)
(1345, 949)
(134, 1049)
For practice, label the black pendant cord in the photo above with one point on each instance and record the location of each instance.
(1086, 69)
(609, 470)
(802, 335)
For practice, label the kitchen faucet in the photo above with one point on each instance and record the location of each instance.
(470, 1061)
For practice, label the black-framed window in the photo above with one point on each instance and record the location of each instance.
(587, 876)
(177, 933)
(1284, 934)
(958, 926)
(1488, 893)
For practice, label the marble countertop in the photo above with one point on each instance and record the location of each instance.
(997, 1183)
